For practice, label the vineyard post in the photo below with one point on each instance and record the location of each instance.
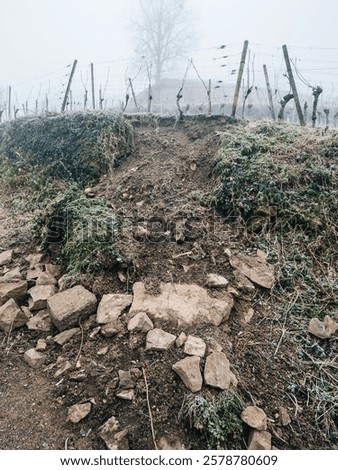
(9, 102)
(65, 98)
(239, 78)
(209, 97)
(269, 92)
(293, 86)
(92, 82)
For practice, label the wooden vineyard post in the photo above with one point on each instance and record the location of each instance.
(65, 98)
(9, 102)
(93, 86)
(149, 99)
(209, 97)
(239, 78)
(268, 87)
(293, 86)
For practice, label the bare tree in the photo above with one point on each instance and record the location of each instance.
(163, 32)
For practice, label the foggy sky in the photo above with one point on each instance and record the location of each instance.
(39, 36)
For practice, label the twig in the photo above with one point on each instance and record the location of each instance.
(81, 344)
(182, 254)
(149, 409)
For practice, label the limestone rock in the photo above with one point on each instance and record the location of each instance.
(181, 304)
(217, 371)
(53, 270)
(39, 296)
(284, 417)
(34, 259)
(11, 316)
(109, 330)
(63, 367)
(127, 394)
(78, 412)
(140, 322)
(34, 272)
(159, 340)
(90, 192)
(41, 321)
(215, 280)
(41, 345)
(180, 339)
(68, 307)
(169, 443)
(12, 275)
(243, 282)
(6, 257)
(189, 372)
(35, 358)
(125, 379)
(111, 307)
(102, 351)
(323, 329)
(255, 418)
(113, 438)
(195, 346)
(141, 233)
(63, 337)
(46, 279)
(12, 290)
(259, 440)
(255, 269)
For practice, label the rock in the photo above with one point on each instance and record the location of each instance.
(63, 368)
(259, 440)
(233, 291)
(34, 259)
(180, 339)
(245, 312)
(109, 330)
(181, 304)
(63, 337)
(323, 329)
(41, 321)
(255, 418)
(189, 372)
(261, 255)
(41, 345)
(34, 358)
(159, 340)
(114, 439)
(284, 417)
(68, 307)
(169, 443)
(34, 273)
(39, 296)
(217, 371)
(46, 279)
(90, 192)
(233, 380)
(140, 322)
(111, 307)
(243, 282)
(255, 269)
(103, 351)
(11, 316)
(215, 280)
(141, 233)
(125, 379)
(125, 394)
(53, 270)
(195, 346)
(6, 257)
(12, 290)
(79, 411)
(12, 275)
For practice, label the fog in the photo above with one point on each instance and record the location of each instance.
(40, 38)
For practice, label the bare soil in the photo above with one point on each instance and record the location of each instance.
(162, 187)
